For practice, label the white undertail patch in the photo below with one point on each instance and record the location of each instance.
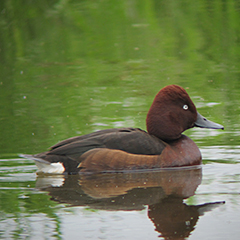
(54, 168)
(45, 166)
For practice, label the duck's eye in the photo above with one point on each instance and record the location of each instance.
(185, 107)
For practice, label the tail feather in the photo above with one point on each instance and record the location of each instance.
(28, 156)
(45, 166)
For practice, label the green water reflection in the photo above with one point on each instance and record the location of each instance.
(73, 67)
(70, 67)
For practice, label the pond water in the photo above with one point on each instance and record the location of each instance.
(73, 67)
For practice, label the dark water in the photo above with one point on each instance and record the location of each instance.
(73, 67)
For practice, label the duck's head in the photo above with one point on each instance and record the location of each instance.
(172, 112)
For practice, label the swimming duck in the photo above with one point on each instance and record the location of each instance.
(122, 149)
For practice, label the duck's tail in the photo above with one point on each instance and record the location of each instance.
(45, 166)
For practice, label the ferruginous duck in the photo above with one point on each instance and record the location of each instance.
(127, 149)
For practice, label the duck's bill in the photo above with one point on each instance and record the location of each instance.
(202, 122)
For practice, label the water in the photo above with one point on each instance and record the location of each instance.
(170, 203)
(70, 68)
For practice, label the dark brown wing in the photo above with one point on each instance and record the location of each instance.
(131, 140)
(90, 135)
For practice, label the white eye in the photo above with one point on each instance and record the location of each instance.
(185, 107)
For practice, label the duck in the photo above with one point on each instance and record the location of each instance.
(163, 145)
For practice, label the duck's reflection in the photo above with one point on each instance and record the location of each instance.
(176, 220)
(162, 191)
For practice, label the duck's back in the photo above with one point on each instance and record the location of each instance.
(130, 140)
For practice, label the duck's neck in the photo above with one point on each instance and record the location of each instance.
(163, 126)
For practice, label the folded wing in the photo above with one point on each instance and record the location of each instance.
(131, 140)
